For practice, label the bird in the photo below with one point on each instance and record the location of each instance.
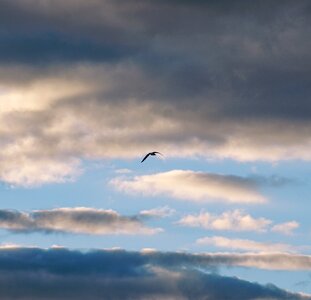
(151, 153)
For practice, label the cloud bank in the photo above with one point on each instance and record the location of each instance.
(66, 274)
(79, 220)
(222, 86)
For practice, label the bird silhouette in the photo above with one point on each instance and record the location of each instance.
(151, 153)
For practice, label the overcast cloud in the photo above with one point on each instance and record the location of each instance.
(211, 79)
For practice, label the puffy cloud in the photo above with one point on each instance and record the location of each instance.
(75, 220)
(59, 273)
(245, 245)
(236, 220)
(194, 186)
(25, 172)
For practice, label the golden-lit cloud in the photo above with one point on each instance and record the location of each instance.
(193, 186)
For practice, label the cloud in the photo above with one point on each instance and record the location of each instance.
(224, 86)
(245, 245)
(24, 172)
(159, 212)
(78, 220)
(123, 171)
(194, 186)
(118, 274)
(9, 246)
(236, 220)
(286, 228)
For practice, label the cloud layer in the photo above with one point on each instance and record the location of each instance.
(81, 220)
(224, 86)
(64, 274)
(194, 186)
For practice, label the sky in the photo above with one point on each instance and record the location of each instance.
(220, 88)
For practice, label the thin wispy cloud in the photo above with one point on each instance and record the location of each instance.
(244, 244)
(286, 228)
(123, 171)
(194, 186)
(159, 212)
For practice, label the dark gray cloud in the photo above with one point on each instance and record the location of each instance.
(116, 78)
(75, 220)
(242, 52)
(40, 48)
(67, 274)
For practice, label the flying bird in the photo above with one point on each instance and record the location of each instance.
(151, 153)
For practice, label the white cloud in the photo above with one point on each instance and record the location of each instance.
(159, 212)
(263, 260)
(41, 93)
(123, 171)
(30, 172)
(236, 220)
(244, 244)
(194, 186)
(267, 261)
(9, 246)
(148, 250)
(286, 228)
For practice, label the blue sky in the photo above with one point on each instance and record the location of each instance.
(221, 89)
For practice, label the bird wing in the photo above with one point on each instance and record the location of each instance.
(158, 153)
(145, 157)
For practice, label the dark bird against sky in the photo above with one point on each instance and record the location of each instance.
(151, 153)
